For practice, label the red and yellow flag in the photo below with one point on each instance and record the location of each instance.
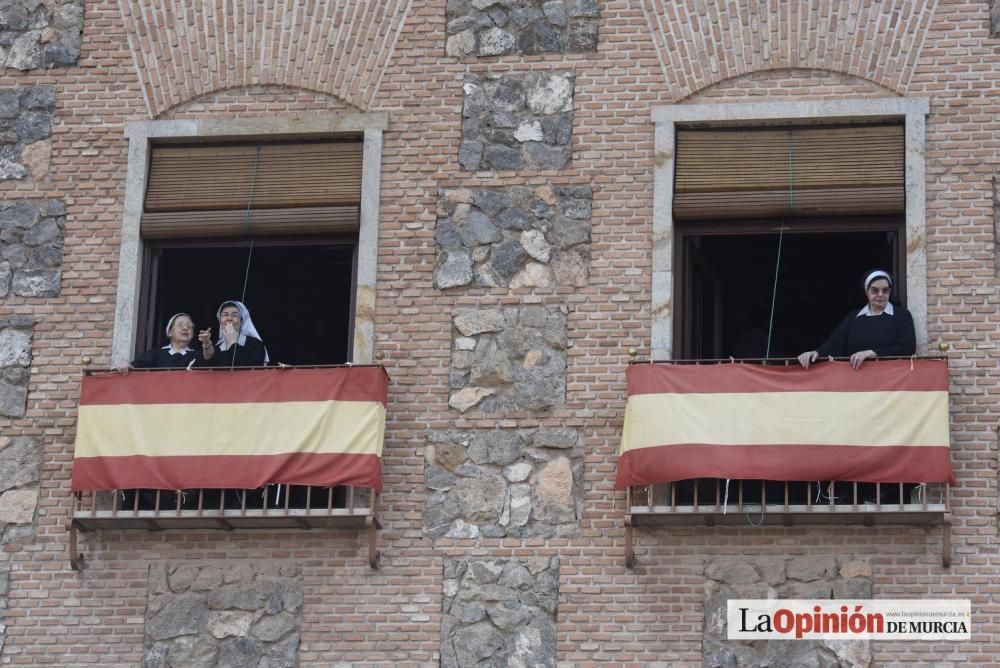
(887, 422)
(236, 429)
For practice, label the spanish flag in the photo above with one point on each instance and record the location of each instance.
(886, 422)
(231, 429)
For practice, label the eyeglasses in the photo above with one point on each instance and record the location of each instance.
(879, 291)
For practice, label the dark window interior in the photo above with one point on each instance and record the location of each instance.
(299, 294)
(728, 280)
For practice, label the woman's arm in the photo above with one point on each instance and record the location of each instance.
(836, 344)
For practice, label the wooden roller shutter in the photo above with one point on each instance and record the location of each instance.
(296, 188)
(801, 171)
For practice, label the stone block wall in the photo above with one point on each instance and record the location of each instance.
(31, 247)
(503, 482)
(40, 33)
(501, 27)
(514, 122)
(995, 18)
(809, 577)
(508, 359)
(996, 225)
(514, 237)
(25, 128)
(15, 361)
(223, 614)
(499, 612)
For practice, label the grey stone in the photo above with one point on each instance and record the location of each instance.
(9, 104)
(496, 42)
(453, 269)
(280, 593)
(480, 499)
(507, 257)
(439, 479)
(39, 98)
(446, 234)
(515, 576)
(813, 567)
(556, 437)
(240, 653)
(16, 375)
(470, 154)
(995, 19)
(478, 230)
(549, 93)
(539, 155)
(208, 577)
(238, 596)
(37, 283)
(474, 643)
(52, 208)
(514, 219)
(15, 347)
(582, 36)
(25, 53)
(461, 45)
(731, 570)
(33, 125)
(490, 365)
(491, 202)
(588, 8)
(853, 588)
(502, 157)
(568, 232)
(192, 652)
(557, 130)
(13, 16)
(275, 627)
(497, 16)
(534, 645)
(467, 612)
(440, 510)
(13, 400)
(42, 257)
(505, 94)
(520, 505)
(283, 654)
(227, 623)
(555, 12)
(10, 169)
(540, 38)
(182, 614)
(19, 214)
(508, 615)
(20, 463)
(483, 572)
(523, 16)
(155, 657)
(471, 322)
(44, 230)
(578, 208)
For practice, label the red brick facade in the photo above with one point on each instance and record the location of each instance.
(390, 56)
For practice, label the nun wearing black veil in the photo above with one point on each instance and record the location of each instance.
(239, 342)
(879, 329)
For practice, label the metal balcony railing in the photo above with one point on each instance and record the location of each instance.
(272, 507)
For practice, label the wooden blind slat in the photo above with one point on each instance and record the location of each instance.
(763, 172)
(262, 222)
(314, 174)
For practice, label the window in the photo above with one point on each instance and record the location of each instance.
(273, 224)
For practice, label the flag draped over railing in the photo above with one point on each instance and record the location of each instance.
(231, 429)
(887, 422)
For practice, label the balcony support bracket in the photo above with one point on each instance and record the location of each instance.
(374, 556)
(75, 558)
(629, 551)
(946, 541)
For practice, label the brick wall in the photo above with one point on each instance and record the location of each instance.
(648, 54)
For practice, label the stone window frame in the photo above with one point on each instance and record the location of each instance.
(142, 134)
(911, 110)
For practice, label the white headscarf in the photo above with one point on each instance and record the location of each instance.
(878, 273)
(170, 323)
(246, 326)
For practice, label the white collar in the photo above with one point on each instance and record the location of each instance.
(171, 350)
(867, 311)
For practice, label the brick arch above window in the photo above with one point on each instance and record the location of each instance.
(700, 44)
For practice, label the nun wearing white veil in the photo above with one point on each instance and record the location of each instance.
(239, 342)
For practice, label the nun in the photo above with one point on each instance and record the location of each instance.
(879, 329)
(177, 354)
(239, 343)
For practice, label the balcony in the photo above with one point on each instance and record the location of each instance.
(760, 433)
(247, 448)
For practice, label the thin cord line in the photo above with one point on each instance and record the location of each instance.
(246, 224)
(781, 239)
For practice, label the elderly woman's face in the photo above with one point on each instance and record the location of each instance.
(878, 293)
(230, 315)
(181, 331)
